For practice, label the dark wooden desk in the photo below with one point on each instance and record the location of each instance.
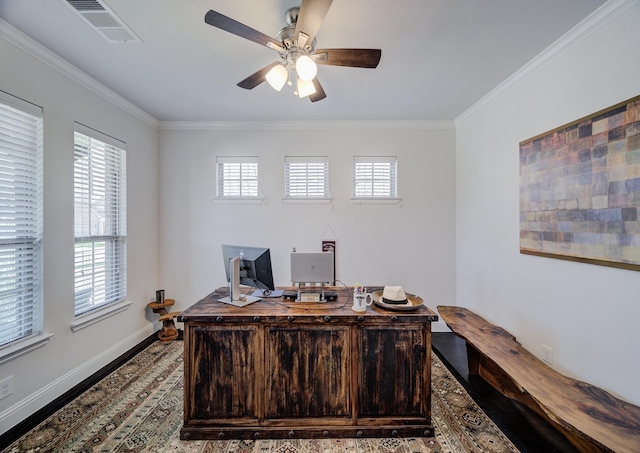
(277, 369)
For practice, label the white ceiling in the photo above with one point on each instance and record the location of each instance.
(439, 57)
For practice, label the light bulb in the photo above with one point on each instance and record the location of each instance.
(305, 88)
(306, 68)
(277, 77)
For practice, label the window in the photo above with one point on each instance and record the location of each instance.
(20, 219)
(237, 177)
(374, 177)
(307, 177)
(100, 220)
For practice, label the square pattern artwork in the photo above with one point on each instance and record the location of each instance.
(580, 189)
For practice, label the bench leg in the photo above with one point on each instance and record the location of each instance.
(473, 360)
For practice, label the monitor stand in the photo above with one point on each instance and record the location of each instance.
(235, 295)
(311, 297)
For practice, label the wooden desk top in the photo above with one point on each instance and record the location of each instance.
(274, 309)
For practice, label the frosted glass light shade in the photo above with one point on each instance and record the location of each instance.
(277, 77)
(306, 68)
(305, 88)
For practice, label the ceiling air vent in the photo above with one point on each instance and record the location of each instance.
(103, 20)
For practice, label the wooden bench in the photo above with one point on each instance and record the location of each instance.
(591, 419)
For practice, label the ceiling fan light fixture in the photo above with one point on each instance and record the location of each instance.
(305, 88)
(296, 44)
(306, 68)
(277, 77)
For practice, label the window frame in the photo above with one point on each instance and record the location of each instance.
(306, 161)
(372, 180)
(104, 174)
(253, 183)
(21, 130)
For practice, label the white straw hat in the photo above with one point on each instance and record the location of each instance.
(394, 295)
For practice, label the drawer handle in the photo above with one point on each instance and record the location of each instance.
(290, 318)
(221, 435)
(360, 319)
(219, 319)
(327, 319)
(325, 433)
(256, 319)
(292, 434)
(394, 433)
(394, 318)
(359, 434)
(256, 435)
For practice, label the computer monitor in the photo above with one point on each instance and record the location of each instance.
(253, 269)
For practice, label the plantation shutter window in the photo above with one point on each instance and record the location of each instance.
(20, 219)
(306, 177)
(100, 220)
(374, 177)
(237, 177)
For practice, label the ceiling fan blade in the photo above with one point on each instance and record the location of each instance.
(310, 18)
(319, 94)
(225, 23)
(256, 78)
(355, 58)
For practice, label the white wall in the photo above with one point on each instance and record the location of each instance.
(410, 245)
(68, 358)
(588, 314)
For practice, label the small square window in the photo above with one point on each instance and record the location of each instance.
(374, 177)
(237, 177)
(307, 177)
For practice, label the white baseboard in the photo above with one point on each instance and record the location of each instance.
(36, 401)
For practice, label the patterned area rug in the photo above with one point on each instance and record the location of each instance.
(138, 408)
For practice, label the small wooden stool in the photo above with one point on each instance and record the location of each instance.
(169, 332)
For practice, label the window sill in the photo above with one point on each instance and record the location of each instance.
(23, 347)
(96, 316)
(237, 200)
(372, 200)
(301, 200)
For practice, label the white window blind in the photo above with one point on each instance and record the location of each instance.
(374, 177)
(100, 220)
(306, 177)
(20, 219)
(237, 177)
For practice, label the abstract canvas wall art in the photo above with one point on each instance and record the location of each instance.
(580, 189)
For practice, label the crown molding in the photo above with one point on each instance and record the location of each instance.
(305, 125)
(591, 23)
(37, 50)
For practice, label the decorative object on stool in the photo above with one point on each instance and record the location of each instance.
(169, 332)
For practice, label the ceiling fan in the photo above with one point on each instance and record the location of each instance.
(296, 44)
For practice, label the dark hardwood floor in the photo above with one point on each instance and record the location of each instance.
(529, 432)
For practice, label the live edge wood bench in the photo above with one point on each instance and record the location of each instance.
(589, 417)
